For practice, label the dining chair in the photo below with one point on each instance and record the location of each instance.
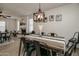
(69, 51)
(44, 50)
(36, 47)
(42, 33)
(28, 46)
(33, 32)
(8, 36)
(0, 38)
(23, 31)
(15, 34)
(4, 37)
(40, 48)
(32, 46)
(75, 39)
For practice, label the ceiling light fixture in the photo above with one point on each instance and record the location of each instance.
(39, 16)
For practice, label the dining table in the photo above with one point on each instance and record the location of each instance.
(51, 42)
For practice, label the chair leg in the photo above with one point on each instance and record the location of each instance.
(29, 52)
(50, 52)
(1, 40)
(75, 47)
(8, 39)
(24, 53)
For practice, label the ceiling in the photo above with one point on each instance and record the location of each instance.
(23, 9)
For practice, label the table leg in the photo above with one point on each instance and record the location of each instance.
(20, 47)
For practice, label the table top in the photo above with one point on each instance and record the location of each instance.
(53, 42)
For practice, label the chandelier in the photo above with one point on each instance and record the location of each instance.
(39, 16)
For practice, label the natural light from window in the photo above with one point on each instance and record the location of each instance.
(30, 25)
(2, 26)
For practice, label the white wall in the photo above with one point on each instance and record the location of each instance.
(68, 25)
(11, 24)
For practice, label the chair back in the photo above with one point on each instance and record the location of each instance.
(76, 35)
(3, 34)
(0, 34)
(26, 42)
(33, 32)
(44, 50)
(70, 50)
(8, 34)
(42, 33)
(23, 31)
(37, 47)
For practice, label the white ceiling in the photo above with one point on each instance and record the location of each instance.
(23, 9)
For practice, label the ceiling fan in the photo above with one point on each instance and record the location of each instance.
(3, 15)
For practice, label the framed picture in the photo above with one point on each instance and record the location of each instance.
(51, 18)
(59, 17)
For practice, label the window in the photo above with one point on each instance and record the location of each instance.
(2, 26)
(18, 25)
(30, 25)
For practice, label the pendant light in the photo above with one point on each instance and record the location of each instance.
(39, 16)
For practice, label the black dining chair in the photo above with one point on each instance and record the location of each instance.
(4, 37)
(44, 50)
(40, 48)
(75, 39)
(15, 34)
(1, 40)
(36, 47)
(42, 33)
(8, 36)
(69, 51)
(28, 46)
(33, 32)
(32, 46)
(23, 31)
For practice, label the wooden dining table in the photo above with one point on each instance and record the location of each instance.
(52, 42)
